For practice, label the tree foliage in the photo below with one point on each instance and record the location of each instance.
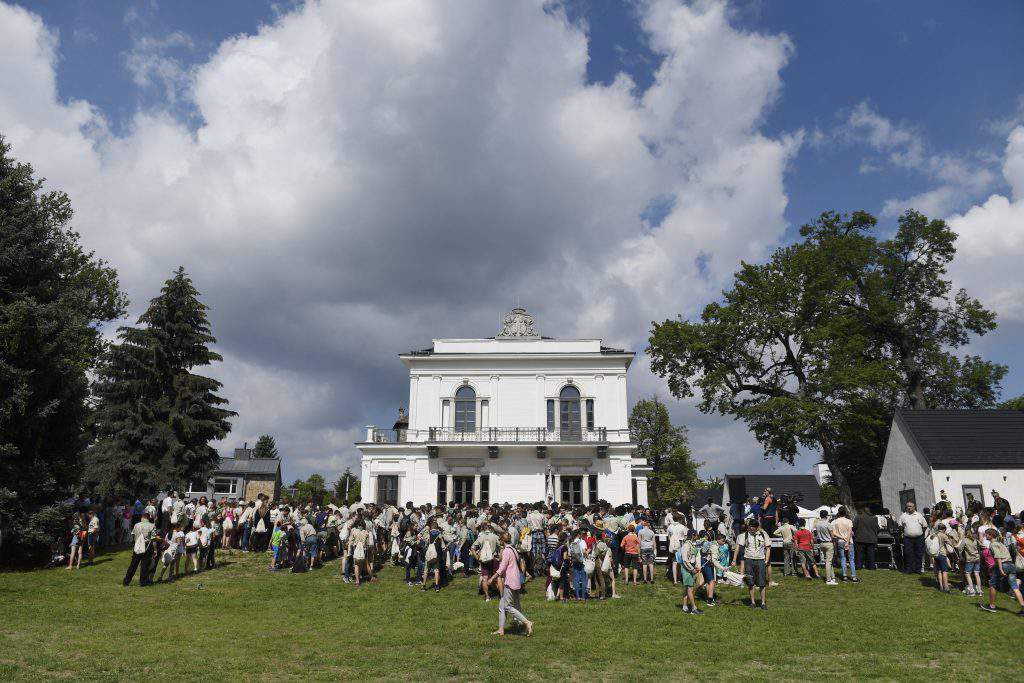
(53, 297)
(1015, 403)
(664, 446)
(815, 348)
(155, 418)
(313, 489)
(266, 447)
(347, 493)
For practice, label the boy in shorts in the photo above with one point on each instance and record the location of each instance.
(688, 557)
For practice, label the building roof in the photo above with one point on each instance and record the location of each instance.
(804, 486)
(965, 439)
(249, 466)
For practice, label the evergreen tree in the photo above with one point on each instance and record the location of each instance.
(266, 447)
(155, 418)
(53, 296)
(346, 488)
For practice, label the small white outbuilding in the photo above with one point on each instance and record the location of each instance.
(968, 454)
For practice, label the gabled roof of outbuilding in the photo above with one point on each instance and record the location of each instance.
(965, 439)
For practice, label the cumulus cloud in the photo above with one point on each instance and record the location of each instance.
(990, 243)
(366, 176)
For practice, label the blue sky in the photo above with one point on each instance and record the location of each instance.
(377, 134)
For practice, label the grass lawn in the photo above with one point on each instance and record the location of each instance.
(242, 622)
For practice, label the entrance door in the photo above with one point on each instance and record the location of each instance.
(462, 490)
(572, 490)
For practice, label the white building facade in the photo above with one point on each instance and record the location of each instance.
(509, 419)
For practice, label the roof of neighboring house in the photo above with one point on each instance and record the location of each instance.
(965, 439)
(804, 486)
(251, 466)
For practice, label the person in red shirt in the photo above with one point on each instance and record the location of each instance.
(804, 541)
(631, 553)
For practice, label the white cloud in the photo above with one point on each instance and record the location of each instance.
(898, 145)
(990, 246)
(151, 65)
(366, 176)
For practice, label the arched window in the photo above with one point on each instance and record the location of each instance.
(569, 413)
(465, 409)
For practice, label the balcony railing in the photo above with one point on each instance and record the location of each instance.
(499, 435)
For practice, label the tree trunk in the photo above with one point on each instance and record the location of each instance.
(828, 455)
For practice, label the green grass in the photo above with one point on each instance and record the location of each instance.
(245, 623)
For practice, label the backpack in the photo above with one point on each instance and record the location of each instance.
(526, 542)
(300, 566)
(431, 553)
(486, 552)
(575, 553)
(931, 543)
(359, 553)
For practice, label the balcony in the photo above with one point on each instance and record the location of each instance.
(497, 435)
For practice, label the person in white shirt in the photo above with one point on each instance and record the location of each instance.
(677, 533)
(142, 534)
(913, 525)
(192, 549)
(165, 512)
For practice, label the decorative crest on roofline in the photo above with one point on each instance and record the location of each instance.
(518, 323)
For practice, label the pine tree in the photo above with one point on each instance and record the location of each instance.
(155, 418)
(53, 296)
(266, 447)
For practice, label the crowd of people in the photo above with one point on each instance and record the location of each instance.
(578, 553)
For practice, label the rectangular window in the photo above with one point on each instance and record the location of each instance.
(592, 486)
(462, 490)
(485, 489)
(197, 486)
(590, 414)
(387, 489)
(907, 496)
(225, 486)
(551, 414)
(973, 492)
(572, 490)
(442, 490)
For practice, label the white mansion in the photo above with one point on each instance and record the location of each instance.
(513, 418)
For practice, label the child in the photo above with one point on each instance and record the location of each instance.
(710, 566)
(169, 556)
(192, 549)
(1003, 567)
(276, 544)
(942, 559)
(803, 539)
(724, 551)
(968, 547)
(688, 557)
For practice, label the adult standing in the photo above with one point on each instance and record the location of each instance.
(913, 525)
(865, 539)
(142, 534)
(825, 546)
(510, 585)
(753, 549)
(842, 535)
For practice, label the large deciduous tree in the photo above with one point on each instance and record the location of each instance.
(664, 447)
(818, 346)
(53, 297)
(155, 418)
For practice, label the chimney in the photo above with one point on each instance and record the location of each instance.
(243, 453)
